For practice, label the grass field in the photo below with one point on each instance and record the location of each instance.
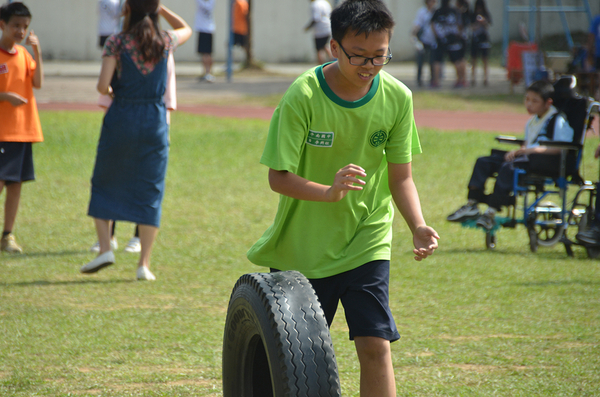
(473, 322)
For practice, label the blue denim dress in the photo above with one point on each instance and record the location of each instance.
(131, 162)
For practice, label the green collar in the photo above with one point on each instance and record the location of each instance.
(336, 99)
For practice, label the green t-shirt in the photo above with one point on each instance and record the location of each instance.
(313, 134)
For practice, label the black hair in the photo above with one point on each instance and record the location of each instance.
(361, 16)
(543, 88)
(16, 9)
(481, 9)
(143, 25)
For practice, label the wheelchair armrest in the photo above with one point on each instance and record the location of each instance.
(561, 145)
(510, 139)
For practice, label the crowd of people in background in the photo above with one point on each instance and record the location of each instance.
(450, 29)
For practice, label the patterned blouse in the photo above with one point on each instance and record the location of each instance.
(125, 41)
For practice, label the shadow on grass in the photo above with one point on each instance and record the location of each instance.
(46, 283)
(553, 283)
(47, 254)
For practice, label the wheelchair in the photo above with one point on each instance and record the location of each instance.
(543, 202)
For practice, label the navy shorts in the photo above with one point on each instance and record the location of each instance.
(321, 42)
(239, 39)
(16, 162)
(364, 293)
(205, 43)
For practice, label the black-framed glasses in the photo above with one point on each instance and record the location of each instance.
(358, 60)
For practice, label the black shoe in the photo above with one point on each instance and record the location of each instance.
(590, 236)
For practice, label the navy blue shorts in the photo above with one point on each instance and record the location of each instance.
(16, 162)
(321, 42)
(205, 43)
(364, 293)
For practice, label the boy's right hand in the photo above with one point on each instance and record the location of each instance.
(344, 181)
(14, 99)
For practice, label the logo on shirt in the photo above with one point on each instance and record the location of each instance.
(3, 68)
(378, 138)
(320, 139)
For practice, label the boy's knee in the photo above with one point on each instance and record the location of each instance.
(372, 348)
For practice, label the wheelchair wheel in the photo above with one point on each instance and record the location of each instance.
(544, 226)
(593, 252)
(490, 241)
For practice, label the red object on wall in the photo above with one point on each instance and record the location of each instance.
(514, 62)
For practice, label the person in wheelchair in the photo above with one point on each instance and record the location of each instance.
(546, 124)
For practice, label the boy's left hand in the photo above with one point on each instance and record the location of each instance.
(425, 240)
(32, 39)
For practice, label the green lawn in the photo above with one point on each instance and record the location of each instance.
(474, 322)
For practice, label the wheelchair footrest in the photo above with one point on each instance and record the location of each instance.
(501, 221)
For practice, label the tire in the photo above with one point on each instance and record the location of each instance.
(544, 227)
(276, 341)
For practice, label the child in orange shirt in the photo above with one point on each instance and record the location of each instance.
(20, 126)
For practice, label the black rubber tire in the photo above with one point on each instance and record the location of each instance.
(276, 341)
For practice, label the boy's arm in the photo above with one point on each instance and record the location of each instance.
(292, 185)
(38, 76)
(406, 197)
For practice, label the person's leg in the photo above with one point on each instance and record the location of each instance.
(320, 57)
(376, 369)
(11, 206)
(103, 232)
(473, 70)
(372, 326)
(484, 61)
(484, 168)
(420, 61)
(147, 236)
(207, 62)
(437, 70)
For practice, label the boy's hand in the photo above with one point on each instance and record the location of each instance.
(510, 156)
(344, 181)
(15, 99)
(425, 240)
(32, 40)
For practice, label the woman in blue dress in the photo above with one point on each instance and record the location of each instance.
(131, 161)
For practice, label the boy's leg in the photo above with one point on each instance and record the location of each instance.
(503, 187)
(376, 369)
(11, 206)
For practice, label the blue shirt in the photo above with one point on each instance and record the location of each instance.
(595, 30)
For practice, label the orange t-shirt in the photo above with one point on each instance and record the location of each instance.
(240, 17)
(20, 123)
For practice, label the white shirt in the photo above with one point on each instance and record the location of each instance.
(205, 21)
(536, 125)
(320, 11)
(109, 17)
(423, 21)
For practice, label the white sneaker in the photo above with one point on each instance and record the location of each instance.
(133, 245)
(467, 211)
(113, 245)
(143, 273)
(100, 262)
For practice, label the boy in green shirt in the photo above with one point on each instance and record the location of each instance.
(339, 149)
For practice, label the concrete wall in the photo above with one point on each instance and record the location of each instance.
(67, 28)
